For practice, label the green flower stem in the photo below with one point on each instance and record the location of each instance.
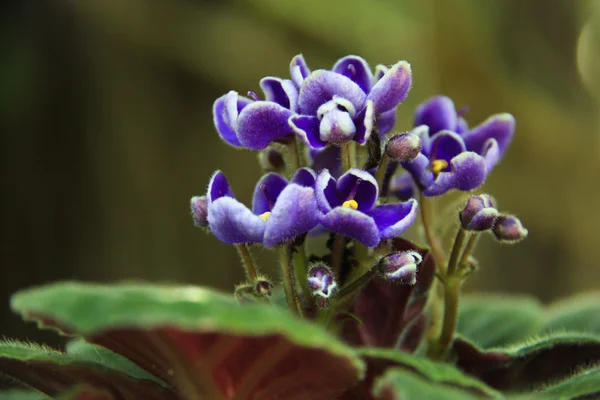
(433, 241)
(469, 249)
(459, 242)
(337, 252)
(248, 261)
(301, 270)
(451, 295)
(348, 152)
(287, 274)
(294, 161)
(381, 170)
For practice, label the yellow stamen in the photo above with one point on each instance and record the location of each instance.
(265, 216)
(438, 166)
(351, 204)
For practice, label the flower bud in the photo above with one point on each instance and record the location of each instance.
(401, 266)
(479, 213)
(508, 229)
(271, 160)
(403, 147)
(263, 287)
(322, 283)
(199, 209)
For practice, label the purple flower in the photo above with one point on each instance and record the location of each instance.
(281, 210)
(454, 156)
(400, 266)
(344, 103)
(348, 207)
(479, 214)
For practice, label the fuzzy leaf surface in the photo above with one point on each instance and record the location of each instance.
(576, 314)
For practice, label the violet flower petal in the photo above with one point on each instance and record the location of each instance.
(386, 121)
(380, 71)
(232, 222)
(394, 219)
(365, 123)
(438, 113)
(402, 186)
(322, 85)
(419, 169)
(352, 223)
(500, 127)
(326, 192)
(468, 172)
(327, 158)
(304, 177)
(491, 154)
(308, 130)
(266, 192)
(363, 184)
(445, 145)
(294, 213)
(392, 88)
(280, 91)
(262, 122)
(357, 69)
(218, 186)
(225, 114)
(299, 70)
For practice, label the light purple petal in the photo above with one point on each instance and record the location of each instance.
(307, 128)
(491, 154)
(232, 222)
(357, 69)
(336, 127)
(294, 213)
(262, 122)
(394, 219)
(462, 126)
(326, 192)
(422, 131)
(419, 169)
(445, 145)
(352, 223)
(386, 121)
(438, 113)
(380, 71)
(392, 88)
(218, 186)
(364, 186)
(280, 91)
(500, 127)
(402, 186)
(299, 70)
(266, 192)
(468, 172)
(322, 85)
(304, 177)
(225, 113)
(365, 122)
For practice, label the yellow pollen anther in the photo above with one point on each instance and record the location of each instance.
(265, 216)
(351, 204)
(438, 166)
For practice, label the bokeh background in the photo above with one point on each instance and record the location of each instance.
(106, 126)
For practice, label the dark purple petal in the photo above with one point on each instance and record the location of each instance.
(307, 129)
(500, 127)
(322, 85)
(266, 192)
(419, 169)
(357, 69)
(422, 131)
(380, 71)
(281, 91)
(326, 192)
(225, 113)
(392, 88)
(491, 154)
(402, 186)
(218, 186)
(352, 223)
(364, 186)
(299, 71)
(468, 172)
(445, 145)
(294, 213)
(327, 158)
(438, 113)
(462, 126)
(336, 127)
(394, 219)
(262, 122)
(232, 222)
(304, 177)
(365, 123)
(386, 121)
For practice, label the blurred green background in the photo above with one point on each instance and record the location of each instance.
(106, 126)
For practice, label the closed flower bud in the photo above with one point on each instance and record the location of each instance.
(263, 287)
(199, 209)
(322, 283)
(479, 213)
(508, 229)
(271, 160)
(400, 266)
(404, 147)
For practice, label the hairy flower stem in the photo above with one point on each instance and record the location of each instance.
(469, 249)
(301, 270)
(248, 261)
(453, 264)
(439, 350)
(287, 274)
(337, 252)
(294, 161)
(428, 226)
(381, 170)
(348, 153)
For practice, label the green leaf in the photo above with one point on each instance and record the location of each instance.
(52, 372)
(494, 321)
(576, 314)
(528, 365)
(401, 384)
(430, 371)
(585, 384)
(22, 395)
(202, 342)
